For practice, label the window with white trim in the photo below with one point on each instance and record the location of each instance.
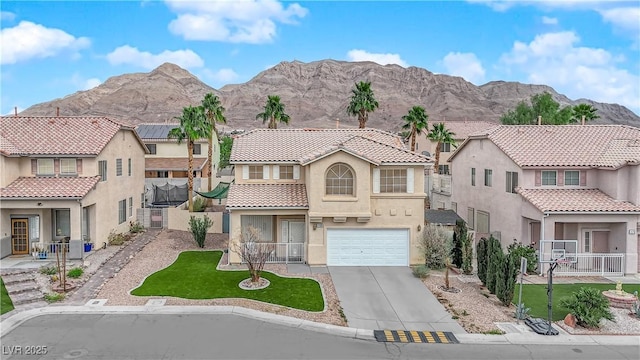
(102, 170)
(572, 177)
(339, 180)
(62, 217)
(445, 147)
(473, 176)
(197, 149)
(45, 167)
(471, 218)
(443, 169)
(483, 222)
(393, 180)
(130, 206)
(118, 167)
(286, 172)
(152, 148)
(122, 211)
(488, 175)
(549, 178)
(68, 167)
(512, 181)
(129, 166)
(256, 172)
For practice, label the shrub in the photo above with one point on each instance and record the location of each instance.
(48, 270)
(527, 252)
(199, 204)
(635, 307)
(494, 261)
(199, 228)
(135, 227)
(522, 312)
(459, 234)
(588, 305)
(506, 285)
(53, 297)
(467, 254)
(481, 255)
(420, 271)
(435, 245)
(116, 239)
(75, 273)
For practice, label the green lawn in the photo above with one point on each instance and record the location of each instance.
(535, 296)
(194, 276)
(5, 301)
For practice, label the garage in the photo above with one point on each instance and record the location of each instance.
(367, 247)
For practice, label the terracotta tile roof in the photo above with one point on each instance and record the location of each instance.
(247, 196)
(304, 145)
(62, 135)
(49, 187)
(463, 129)
(179, 164)
(575, 200)
(610, 146)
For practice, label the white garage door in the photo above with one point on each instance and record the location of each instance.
(368, 247)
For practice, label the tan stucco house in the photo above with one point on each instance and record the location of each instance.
(538, 183)
(341, 197)
(63, 178)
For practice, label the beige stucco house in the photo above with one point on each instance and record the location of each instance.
(66, 178)
(351, 197)
(536, 183)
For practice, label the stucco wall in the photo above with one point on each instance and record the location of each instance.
(179, 220)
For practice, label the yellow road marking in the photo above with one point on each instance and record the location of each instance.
(415, 336)
(443, 337)
(389, 335)
(428, 336)
(402, 336)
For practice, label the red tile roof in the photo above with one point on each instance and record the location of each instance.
(247, 196)
(63, 135)
(178, 164)
(575, 200)
(296, 145)
(609, 146)
(462, 129)
(49, 188)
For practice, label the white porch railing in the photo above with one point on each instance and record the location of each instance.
(592, 264)
(283, 253)
(441, 183)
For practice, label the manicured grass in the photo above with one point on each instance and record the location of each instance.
(5, 301)
(194, 276)
(535, 296)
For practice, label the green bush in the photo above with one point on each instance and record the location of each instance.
(53, 297)
(494, 263)
(116, 239)
(199, 228)
(467, 254)
(199, 204)
(589, 306)
(135, 227)
(506, 285)
(527, 252)
(48, 270)
(75, 273)
(420, 271)
(435, 245)
(459, 234)
(481, 255)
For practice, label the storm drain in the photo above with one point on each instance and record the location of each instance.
(434, 337)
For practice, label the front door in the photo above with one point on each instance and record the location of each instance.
(19, 236)
(296, 235)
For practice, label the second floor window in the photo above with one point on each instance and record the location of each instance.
(45, 167)
(473, 176)
(445, 147)
(256, 172)
(286, 171)
(152, 148)
(197, 149)
(339, 180)
(512, 181)
(572, 177)
(118, 167)
(68, 167)
(102, 170)
(443, 169)
(162, 174)
(393, 180)
(549, 178)
(488, 174)
(129, 167)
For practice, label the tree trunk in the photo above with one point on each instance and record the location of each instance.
(272, 123)
(255, 277)
(362, 120)
(190, 175)
(437, 164)
(210, 158)
(413, 138)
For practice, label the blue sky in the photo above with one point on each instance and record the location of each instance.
(584, 49)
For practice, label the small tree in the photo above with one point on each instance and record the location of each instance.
(447, 266)
(199, 228)
(436, 246)
(481, 256)
(252, 250)
(459, 235)
(512, 266)
(495, 256)
(588, 305)
(467, 254)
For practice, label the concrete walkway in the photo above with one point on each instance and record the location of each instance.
(389, 298)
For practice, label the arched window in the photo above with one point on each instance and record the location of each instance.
(339, 180)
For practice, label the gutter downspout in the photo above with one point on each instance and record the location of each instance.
(540, 253)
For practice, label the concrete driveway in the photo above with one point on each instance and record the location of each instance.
(390, 298)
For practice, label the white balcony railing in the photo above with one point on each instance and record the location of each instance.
(592, 264)
(283, 253)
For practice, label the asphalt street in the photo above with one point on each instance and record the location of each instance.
(211, 336)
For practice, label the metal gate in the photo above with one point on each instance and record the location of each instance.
(156, 218)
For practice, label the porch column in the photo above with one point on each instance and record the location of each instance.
(631, 265)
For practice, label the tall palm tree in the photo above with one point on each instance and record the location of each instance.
(215, 114)
(193, 126)
(273, 112)
(586, 110)
(415, 122)
(362, 103)
(441, 135)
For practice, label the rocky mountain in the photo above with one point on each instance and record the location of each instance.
(315, 94)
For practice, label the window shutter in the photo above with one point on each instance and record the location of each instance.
(583, 178)
(265, 172)
(56, 166)
(285, 231)
(34, 166)
(410, 180)
(560, 178)
(376, 180)
(79, 166)
(508, 182)
(538, 177)
(276, 172)
(296, 172)
(245, 172)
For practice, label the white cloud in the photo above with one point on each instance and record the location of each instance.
(579, 72)
(382, 59)
(549, 20)
(249, 21)
(28, 40)
(627, 18)
(466, 65)
(222, 76)
(7, 16)
(132, 56)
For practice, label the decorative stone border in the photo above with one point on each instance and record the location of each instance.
(246, 284)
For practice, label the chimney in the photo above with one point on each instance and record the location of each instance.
(539, 120)
(583, 119)
(57, 111)
(15, 111)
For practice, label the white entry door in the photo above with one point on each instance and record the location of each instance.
(367, 247)
(293, 233)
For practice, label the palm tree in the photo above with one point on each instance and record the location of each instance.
(362, 103)
(586, 110)
(193, 126)
(415, 122)
(441, 135)
(215, 114)
(273, 112)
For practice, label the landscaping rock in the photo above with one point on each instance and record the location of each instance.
(570, 320)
